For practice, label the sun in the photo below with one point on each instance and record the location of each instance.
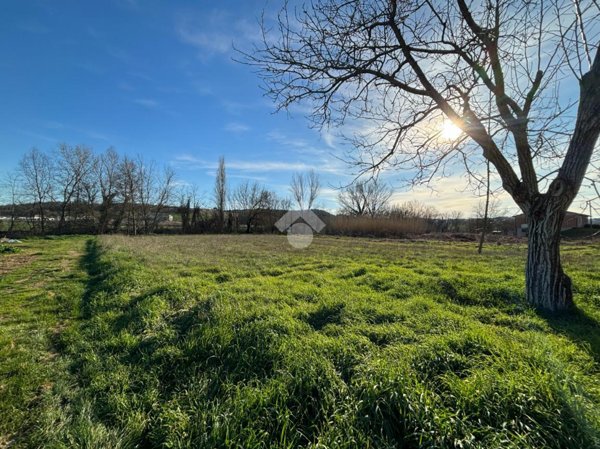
(450, 131)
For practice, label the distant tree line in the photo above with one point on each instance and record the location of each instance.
(248, 207)
(74, 190)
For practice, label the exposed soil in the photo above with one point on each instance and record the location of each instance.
(11, 262)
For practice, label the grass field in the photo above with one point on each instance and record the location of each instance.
(243, 342)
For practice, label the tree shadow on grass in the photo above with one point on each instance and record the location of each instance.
(97, 272)
(579, 327)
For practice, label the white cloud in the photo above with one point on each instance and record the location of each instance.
(450, 194)
(237, 107)
(181, 183)
(328, 138)
(191, 162)
(235, 127)
(204, 33)
(209, 43)
(246, 177)
(299, 145)
(215, 33)
(329, 194)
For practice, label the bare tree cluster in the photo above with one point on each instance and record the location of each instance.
(193, 220)
(254, 205)
(365, 198)
(305, 189)
(246, 207)
(75, 190)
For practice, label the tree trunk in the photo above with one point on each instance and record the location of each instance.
(42, 219)
(13, 216)
(547, 286)
(103, 219)
(61, 222)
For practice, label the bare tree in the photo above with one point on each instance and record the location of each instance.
(73, 167)
(220, 193)
(365, 198)
(145, 174)
(106, 174)
(305, 189)
(128, 187)
(149, 192)
(187, 199)
(495, 209)
(251, 200)
(454, 219)
(163, 194)
(11, 184)
(36, 171)
(278, 207)
(406, 65)
(133, 191)
(89, 192)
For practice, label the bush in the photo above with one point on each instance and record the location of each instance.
(7, 249)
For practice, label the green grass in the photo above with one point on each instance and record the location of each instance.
(243, 342)
(41, 284)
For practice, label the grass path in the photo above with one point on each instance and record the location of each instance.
(40, 290)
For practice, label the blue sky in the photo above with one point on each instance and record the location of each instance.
(152, 78)
(157, 79)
